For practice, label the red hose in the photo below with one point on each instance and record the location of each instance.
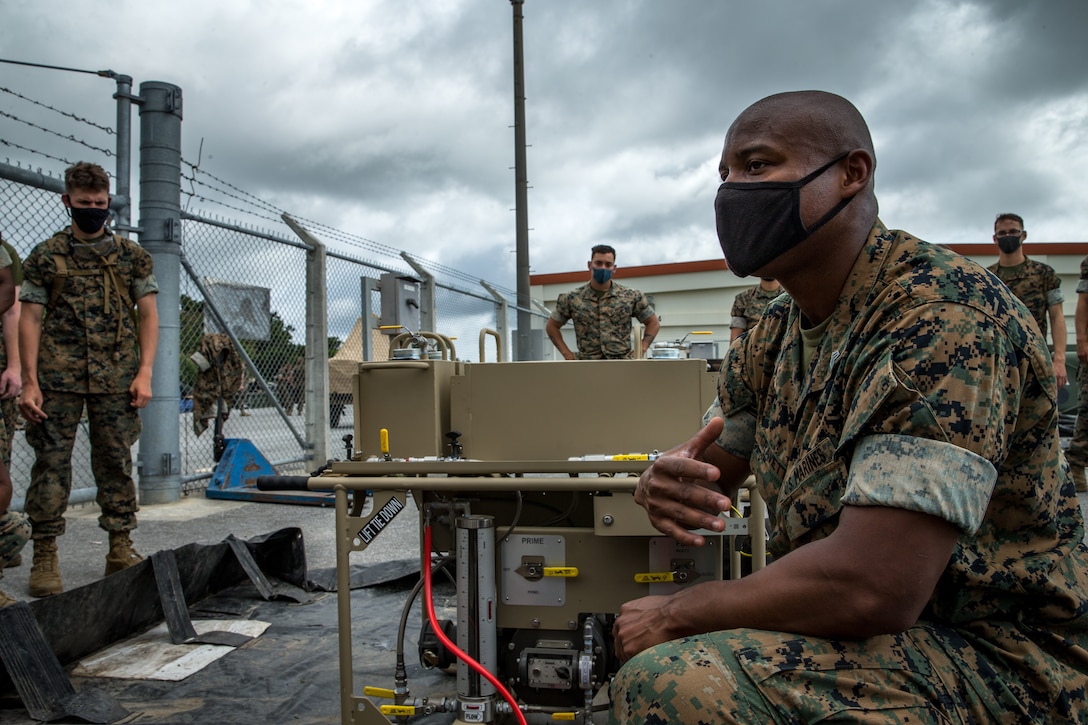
(428, 599)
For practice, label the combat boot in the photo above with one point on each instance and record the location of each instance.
(121, 555)
(1078, 478)
(45, 570)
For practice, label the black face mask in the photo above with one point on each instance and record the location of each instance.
(759, 221)
(89, 219)
(1009, 244)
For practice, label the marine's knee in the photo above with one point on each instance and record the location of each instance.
(679, 681)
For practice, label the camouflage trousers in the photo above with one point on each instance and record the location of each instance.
(9, 419)
(925, 675)
(1077, 455)
(114, 427)
(14, 532)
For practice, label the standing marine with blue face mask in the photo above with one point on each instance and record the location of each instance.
(602, 311)
(897, 410)
(1035, 284)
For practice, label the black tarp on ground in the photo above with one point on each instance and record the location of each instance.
(290, 674)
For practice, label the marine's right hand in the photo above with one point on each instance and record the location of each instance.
(679, 492)
(30, 403)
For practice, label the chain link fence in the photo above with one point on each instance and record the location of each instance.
(274, 406)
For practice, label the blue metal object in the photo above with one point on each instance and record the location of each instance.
(235, 478)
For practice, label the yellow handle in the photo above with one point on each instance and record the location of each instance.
(383, 435)
(655, 577)
(379, 692)
(563, 716)
(561, 571)
(398, 710)
(631, 457)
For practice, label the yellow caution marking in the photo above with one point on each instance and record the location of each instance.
(398, 710)
(655, 577)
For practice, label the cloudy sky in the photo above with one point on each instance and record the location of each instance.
(392, 119)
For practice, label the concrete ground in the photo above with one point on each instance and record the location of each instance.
(196, 519)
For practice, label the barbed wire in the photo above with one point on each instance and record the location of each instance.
(350, 239)
(209, 200)
(70, 137)
(256, 199)
(12, 144)
(72, 116)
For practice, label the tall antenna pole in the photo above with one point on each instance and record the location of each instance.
(521, 195)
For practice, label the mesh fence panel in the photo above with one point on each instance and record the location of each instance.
(219, 253)
(225, 250)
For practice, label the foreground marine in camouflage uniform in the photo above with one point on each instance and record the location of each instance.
(14, 529)
(87, 349)
(898, 411)
(602, 312)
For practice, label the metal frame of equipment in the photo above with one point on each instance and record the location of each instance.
(534, 601)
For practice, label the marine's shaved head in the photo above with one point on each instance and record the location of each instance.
(819, 122)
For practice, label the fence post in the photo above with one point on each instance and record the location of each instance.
(317, 344)
(502, 309)
(160, 234)
(124, 152)
(428, 320)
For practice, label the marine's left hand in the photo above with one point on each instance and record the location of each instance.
(643, 623)
(140, 390)
(1060, 375)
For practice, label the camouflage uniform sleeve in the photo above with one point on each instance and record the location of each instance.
(922, 411)
(643, 309)
(143, 286)
(735, 404)
(737, 317)
(1082, 283)
(37, 277)
(561, 313)
(16, 264)
(1053, 284)
(30, 292)
(901, 471)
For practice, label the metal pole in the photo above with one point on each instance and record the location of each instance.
(502, 312)
(427, 317)
(160, 225)
(317, 343)
(521, 186)
(123, 201)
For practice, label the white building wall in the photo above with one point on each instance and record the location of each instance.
(696, 301)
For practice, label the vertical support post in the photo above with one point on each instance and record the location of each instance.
(427, 317)
(368, 290)
(502, 312)
(160, 224)
(317, 343)
(521, 194)
(124, 153)
(317, 354)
